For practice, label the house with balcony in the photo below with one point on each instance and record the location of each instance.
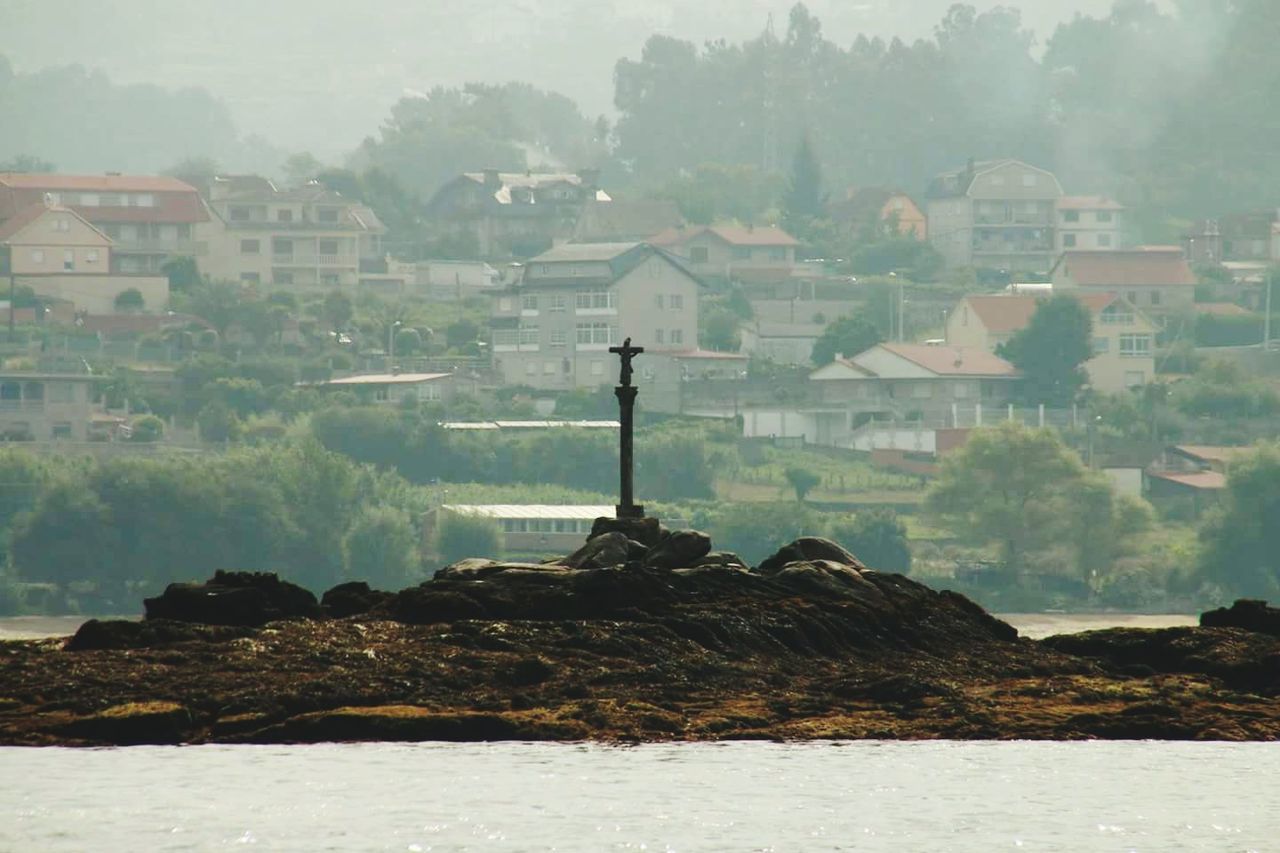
(512, 214)
(996, 214)
(149, 219)
(1089, 223)
(46, 406)
(1156, 279)
(60, 255)
(308, 237)
(1123, 337)
(552, 328)
(751, 252)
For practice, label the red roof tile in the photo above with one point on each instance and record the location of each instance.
(1153, 266)
(176, 202)
(1003, 313)
(1207, 480)
(52, 182)
(953, 361)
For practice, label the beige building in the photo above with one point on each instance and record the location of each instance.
(1089, 223)
(308, 237)
(1123, 337)
(552, 329)
(732, 250)
(57, 253)
(46, 406)
(998, 214)
(150, 219)
(1156, 279)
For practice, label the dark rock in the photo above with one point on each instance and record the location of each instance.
(477, 568)
(808, 548)
(605, 550)
(681, 549)
(134, 724)
(531, 670)
(351, 599)
(97, 634)
(727, 559)
(647, 531)
(1250, 614)
(234, 598)
(427, 604)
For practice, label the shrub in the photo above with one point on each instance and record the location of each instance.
(147, 429)
(461, 536)
(382, 548)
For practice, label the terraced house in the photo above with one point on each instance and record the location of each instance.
(309, 237)
(553, 328)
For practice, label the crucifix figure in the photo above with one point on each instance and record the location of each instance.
(626, 394)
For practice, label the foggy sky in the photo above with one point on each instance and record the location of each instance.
(319, 75)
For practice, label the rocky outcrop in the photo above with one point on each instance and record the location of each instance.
(234, 598)
(97, 634)
(678, 549)
(808, 548)
(1247, 613)
(351, 599)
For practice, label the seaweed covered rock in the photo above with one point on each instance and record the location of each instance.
(351, 599)
(234, 598)
(607, 549)
(97, 634)
(1250, 614)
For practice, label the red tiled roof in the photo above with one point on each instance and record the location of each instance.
(735, 235)
(176, 202)
(1152, 265)
(953, 361)
(1002, 313)
(1088, 202)
(1207, 480)
(1210, 453)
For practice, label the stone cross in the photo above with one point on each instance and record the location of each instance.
(626, 394)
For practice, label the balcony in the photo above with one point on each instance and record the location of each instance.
(193, 248)
(22, 405)
(296, 259)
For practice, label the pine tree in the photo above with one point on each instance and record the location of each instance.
(803, 200)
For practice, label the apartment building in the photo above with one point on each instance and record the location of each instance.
(1089, 223)
(309, 237)
(59, 254)
(1123, 337)
(149, 219)
(46, 406)
(552, 329)
(997, 214)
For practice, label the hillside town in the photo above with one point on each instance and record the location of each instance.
(837, 349)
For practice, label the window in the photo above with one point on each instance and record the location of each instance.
(1116, 314)
(1104, 240)
(677, 336)
(284, 214)
(594, 299)
(530, 368)
(37, 256)
(677, 302)
(558, 339)
(283, 278)
(549, 368)
(505, 337)
(327, 214)
(741, 253)
(556, 302)
(1101, 345)
(1104, 216)
(659, 336)
(777, 253)
(529, 336)
(658, 300)
(529, 302)
(91, 256)
(250, 247)
(250, 278)
(61, 224)
(1070, 216)
(1155, 297)
(61, 430)
(282, 248)
(239, 214)
(1069, 241)
(698, 254)
(69, 259)
(109, 200)
(1135, 345)
(595, 333)
(597, 368)
(328, 247)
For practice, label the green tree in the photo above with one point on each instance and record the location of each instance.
(218, 422)
(1241, 539)
(337, 310)
(756, 530)
(803, 200)
(146, 429)
(183, 274)
(847, 336)
(28, 164)
(1008, 485)
(381, 547)
(719, 328)
(802, 480)
(461, 536)
(1051, 350)
(67, 537)
(877, 537)
(130, 300)
(215, 302)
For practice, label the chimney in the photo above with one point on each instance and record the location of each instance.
(491, 179)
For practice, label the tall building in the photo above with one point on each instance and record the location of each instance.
(997, 214)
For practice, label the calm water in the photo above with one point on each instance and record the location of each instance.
(742, 796)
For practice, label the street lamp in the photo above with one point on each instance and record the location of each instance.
(391, 340)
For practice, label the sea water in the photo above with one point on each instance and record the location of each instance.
(932, 796)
